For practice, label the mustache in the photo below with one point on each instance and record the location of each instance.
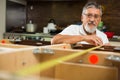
(91, 23)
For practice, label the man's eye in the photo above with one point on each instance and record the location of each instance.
(96, 16)
(89, 15)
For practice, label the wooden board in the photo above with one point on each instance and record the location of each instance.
(14, 46)
(17, 60)
(72, 71)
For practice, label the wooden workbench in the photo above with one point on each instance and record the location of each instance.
(78, 68)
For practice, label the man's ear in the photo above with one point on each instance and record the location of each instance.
(82, 18)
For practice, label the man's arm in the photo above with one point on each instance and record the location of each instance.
(71, 39)
(57, 39)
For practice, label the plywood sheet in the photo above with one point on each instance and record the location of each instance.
(71, 71)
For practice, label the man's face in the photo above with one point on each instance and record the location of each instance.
(91, 18)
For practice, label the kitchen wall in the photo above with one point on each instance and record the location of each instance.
(68, 12)
(64, 12)
(2, 17)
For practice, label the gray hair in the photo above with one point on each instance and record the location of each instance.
(92, 5)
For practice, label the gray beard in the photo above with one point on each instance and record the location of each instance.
(90, 30)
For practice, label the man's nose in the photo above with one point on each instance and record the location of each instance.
(92, 18)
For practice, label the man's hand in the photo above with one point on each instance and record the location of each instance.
(93, 39)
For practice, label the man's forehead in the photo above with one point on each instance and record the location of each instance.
(92, 10)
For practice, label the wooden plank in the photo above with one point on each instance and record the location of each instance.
(18, 60)
(4, 41)
(60, 46)
(72, 71)
(14, 46)
(7, 62)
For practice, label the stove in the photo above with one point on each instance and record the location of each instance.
(28, 36)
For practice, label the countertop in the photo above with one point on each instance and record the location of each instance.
(115, 43)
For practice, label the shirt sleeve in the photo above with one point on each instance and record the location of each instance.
(103, 37)
(105, 40)
(70, 30)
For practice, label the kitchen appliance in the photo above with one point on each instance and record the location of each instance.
(37, 39)
(30, 27)
(28, 36)
(51, 26)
